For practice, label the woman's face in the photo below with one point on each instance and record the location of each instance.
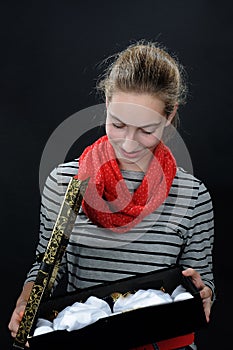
(134, 125)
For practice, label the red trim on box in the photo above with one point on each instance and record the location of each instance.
(169, 344)
(177, 342)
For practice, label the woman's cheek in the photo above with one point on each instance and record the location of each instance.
(149, 141)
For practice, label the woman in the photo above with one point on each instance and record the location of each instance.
(143, 212)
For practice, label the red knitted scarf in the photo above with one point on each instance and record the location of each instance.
(108, 202)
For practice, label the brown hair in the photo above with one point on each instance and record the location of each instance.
(146, 67)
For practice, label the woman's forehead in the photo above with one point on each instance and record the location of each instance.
(134, 114)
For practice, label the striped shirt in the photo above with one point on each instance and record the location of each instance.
(180, 231)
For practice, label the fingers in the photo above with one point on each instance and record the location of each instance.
(13, 326)
(206, 295)
(15, 321)
(196, 278)
(191, 273)
(206, 292)
(207, 307)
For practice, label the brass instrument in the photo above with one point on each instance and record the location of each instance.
(52, 257)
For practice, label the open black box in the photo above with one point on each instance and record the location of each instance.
(129, 329)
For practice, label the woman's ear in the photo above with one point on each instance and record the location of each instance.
(172, 115)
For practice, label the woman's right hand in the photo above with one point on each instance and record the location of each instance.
(16, 317)
(18, 312)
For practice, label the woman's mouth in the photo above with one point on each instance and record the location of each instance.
(131, 155)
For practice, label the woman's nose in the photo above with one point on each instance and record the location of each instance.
(130, 143)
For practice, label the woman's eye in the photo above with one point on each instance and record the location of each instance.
(147, 132)
(118, 125)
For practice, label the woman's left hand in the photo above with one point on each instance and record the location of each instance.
(205, 291)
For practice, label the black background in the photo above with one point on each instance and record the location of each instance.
(50, 56)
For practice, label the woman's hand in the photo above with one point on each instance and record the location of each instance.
(205, 291)
(18, 312)
(16, 318)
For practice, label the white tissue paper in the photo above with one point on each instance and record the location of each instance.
(80, 315)
(141, 298)
(43, 326)
(180, 293)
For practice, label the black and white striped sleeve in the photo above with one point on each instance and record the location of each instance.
(198, 248)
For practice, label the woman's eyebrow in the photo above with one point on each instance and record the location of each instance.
(115, 117)
(141, 126)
